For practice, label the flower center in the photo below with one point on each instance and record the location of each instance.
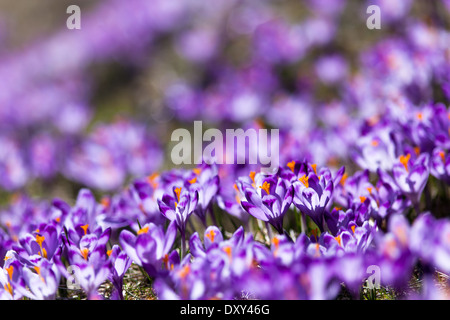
(85, 227)
(211, 235)
(404, 160)
(266, 187)
(291, 165)
(85, 253)
(304, 179)
(143, 230)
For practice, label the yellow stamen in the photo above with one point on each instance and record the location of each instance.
(276, 242)
(166, 261)
(151, 180)
(266, 187)
(10, 271)
(143, 230)
(211, 235)
(419, 116)
(37, 230)
(338, 239)
(227, 250)
(317, 250)
(314, 166)
(183, 273)
(85, 253)
(343, 179)
(252, 175)
(291, 165)
(362, 199)
(8, 288)
(197, 171)
(353, 228)
(85, 227)
(442, 155)
(370, 190)
(109, 252)
(38, 271)
(58, 219)
(193, 180)
(178, 192)
(40, 240)
(304, 179)
(105, 202)
(404, 160)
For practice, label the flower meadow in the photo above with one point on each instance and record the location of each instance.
(358, 207)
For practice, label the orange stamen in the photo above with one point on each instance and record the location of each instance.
(85, 253)
(362, 199)
(193, 180)
(8, 288)
(40, 240)
(442, 155)
(109, 252)
(197, 171)
(338, 239)
(266, 187)
(85, 227)
(183, 273)
(227, 250)
(166, 261)
(343, 179)
(211, 235)
(304, 179)
(419, 116)
(143, 230)
(404, 160)
(417, 150)
(105, 202)
(353, 228)
(291, 165)
(10, 271)
(252, 175)
(375, 143)
(276, 242)
(314, 166)
(178, 192)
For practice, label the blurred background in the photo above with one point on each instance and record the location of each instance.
(96, 107)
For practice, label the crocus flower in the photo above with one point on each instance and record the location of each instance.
(41, 281)
(440, 165)
(206, 183)
(268, 199)
(179, 208)
(411, 175)
(313, 191)
(120, 262)
(150, 248)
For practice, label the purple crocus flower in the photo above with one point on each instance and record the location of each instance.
(313, 191)
(44, 242)
(268, 199)
(411, 175)
(40, 280)
(430, 240)
(206, 183)
(120, 262)
(150, 248)
(440, 165)
(179, 208)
